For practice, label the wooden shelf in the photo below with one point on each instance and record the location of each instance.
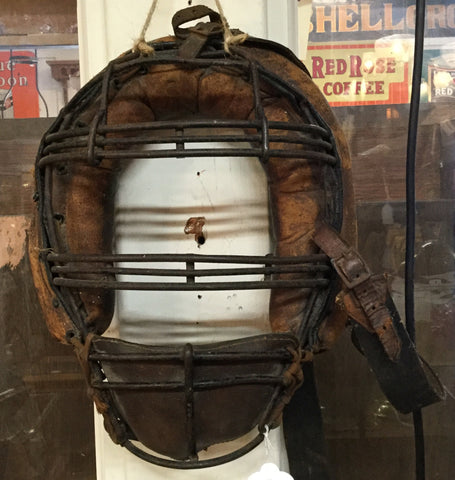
(38, 40)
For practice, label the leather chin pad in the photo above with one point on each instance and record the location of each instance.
(178, 400)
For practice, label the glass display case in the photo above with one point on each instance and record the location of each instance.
(45, 417)
(360, 54)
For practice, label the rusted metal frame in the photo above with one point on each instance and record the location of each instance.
(201, 464)
(172, 272)
(307, 110)
(50, 238)
(266, 414)
(191, 153)
(122, 431)
(184, 287)
(214, 137)
(182, 257)
(318, 305)
(199, 358)
(287, 153)
(85, 97)
(92, 153)
(218, 123)
(48, 211)
(199, 385)
(187, 124)
(81, 141)
(260, 114)
(119, 66)
(189, 272)
(199, 152)
(193, 463)
(319, 299)
(189, 387)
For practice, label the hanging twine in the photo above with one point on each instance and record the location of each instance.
(140, 45)
(229, 37)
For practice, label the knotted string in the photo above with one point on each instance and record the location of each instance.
(229, 37)
(141, 46)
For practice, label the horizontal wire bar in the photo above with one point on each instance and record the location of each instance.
(214, 357)
(196, 286)
(174, 60)
(187, 125)
(187, 257)
(187, 153)
(191, 463)
(172, 272)
(197, 385)
(81, 142)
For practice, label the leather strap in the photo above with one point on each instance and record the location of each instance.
(364, 289)
(404, 377)
(409, 383)
(194, 38)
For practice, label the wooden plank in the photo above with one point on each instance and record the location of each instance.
(38, 40)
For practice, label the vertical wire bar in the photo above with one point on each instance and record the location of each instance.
(51, 239)
(100, 115)
(188, 362)
(260, 114)
(190, 270)
(179, 144)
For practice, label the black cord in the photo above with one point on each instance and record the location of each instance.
(37, 87)
(11, 83)
(411, 217)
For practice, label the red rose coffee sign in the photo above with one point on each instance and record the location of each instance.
(360, 74)
(18, 90)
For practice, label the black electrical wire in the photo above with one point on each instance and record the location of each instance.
(37, 87)
(11, 83)
(411, 217)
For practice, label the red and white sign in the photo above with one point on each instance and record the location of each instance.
(359, 74)
(18, 92)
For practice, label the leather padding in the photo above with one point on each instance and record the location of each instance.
(150, 392)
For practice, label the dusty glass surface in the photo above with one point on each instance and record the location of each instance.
(46, 419)
(39, 60)
(361, 55)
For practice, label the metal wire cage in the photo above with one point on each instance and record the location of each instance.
(74, 140)
(85, 146)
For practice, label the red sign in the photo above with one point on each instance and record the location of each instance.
(18, 92)
(359, 74)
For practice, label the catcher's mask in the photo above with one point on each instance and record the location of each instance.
(177, 400)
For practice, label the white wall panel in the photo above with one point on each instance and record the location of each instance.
(109, 27)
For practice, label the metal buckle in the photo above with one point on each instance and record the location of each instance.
(351, 267)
